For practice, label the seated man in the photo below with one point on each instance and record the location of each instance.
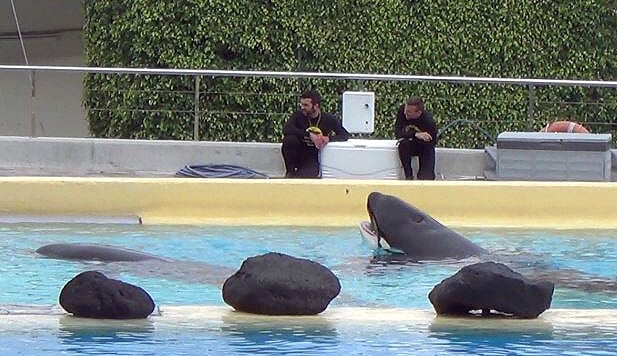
(305, 133)
(416, 133)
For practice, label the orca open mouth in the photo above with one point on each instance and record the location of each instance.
(371, 234)
(367, 228)
(371, 231)
(373, 223)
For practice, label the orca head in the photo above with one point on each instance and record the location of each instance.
(386, 210)
(393, 219)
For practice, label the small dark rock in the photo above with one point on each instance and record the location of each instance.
(491, 286)
(278, 284)
(92, 295)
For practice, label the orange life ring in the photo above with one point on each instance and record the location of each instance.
(565, 126)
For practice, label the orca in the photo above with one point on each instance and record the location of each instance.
(399, 227)
(411, 236)
(93, 252)
(117, 259)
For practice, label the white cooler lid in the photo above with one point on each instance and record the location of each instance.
(364, 143)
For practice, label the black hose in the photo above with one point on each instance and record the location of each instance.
(218, 171)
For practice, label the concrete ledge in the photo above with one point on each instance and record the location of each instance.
(47, 156)
(138, 158)
(587, 321)
(454, 163)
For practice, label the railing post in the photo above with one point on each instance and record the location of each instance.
(196, 118)
(32, 102)
(531, 104)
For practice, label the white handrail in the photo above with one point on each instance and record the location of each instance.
(319, 75)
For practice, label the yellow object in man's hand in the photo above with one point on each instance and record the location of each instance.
(314, 129)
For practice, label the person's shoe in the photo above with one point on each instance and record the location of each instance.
(290, 175)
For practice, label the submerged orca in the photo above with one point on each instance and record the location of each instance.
(93, 252)
(397, 226)
(140, 263)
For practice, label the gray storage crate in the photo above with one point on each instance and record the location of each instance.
(553, 156)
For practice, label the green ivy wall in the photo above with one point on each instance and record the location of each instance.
(507, 38)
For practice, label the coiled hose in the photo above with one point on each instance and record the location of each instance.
(218, 171)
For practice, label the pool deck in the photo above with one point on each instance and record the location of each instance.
(80, 157)
(131, 181)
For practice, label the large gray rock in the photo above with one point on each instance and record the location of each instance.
(92, 295)
(491, 286)
(278, 284)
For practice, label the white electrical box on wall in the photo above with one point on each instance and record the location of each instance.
(359, 111)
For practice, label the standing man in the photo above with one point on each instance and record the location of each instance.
(306, 132)
(416, 133)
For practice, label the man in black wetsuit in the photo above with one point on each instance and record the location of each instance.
(416, 132)
(306, 132)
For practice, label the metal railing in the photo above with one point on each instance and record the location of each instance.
(530, 84)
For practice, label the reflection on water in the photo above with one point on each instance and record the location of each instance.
(484, 342)
(463, 326)
(279, 335)
(83, 336)
(522, 336)
(335, 334)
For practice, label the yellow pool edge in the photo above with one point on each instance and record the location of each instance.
(334, 202)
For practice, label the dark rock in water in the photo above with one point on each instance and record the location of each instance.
(278, 284)
(92, 295)
(491, 286)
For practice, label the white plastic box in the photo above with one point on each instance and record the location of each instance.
(554, 156)
(361, 159)
(359, 111)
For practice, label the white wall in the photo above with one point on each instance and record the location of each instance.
(56, 41)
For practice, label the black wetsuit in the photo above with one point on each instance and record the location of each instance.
(299, 153)
(409, 146)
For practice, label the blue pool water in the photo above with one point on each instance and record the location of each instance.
(367, 279)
